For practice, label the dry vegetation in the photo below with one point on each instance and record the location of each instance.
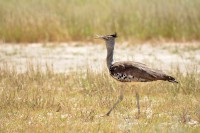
(37, 101)
(52, 20)
(42, 100)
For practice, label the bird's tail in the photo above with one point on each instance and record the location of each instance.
(171, 79)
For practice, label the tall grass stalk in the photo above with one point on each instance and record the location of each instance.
(43, 101)
(65, 20)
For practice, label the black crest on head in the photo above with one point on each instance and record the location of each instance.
(114, 35)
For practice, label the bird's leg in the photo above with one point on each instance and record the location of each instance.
(121, 96)
(137, 102)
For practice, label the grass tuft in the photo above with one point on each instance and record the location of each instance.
(42, 101)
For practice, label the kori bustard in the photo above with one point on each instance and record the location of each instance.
(129, 71)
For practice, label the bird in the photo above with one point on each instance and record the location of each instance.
(129, 71)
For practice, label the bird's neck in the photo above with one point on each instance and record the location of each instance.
(109, 58)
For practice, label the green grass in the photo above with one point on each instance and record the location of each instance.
(37, 101)
(72, 20)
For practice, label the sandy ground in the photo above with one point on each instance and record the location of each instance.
(75, 56)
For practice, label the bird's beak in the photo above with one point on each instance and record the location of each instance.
(98, 37)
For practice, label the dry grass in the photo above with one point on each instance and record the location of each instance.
(51, 20)
(38, 101)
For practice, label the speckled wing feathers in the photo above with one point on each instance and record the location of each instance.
(138, 72)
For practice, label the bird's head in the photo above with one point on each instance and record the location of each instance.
(109, 39)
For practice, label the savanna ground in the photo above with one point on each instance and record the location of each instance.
(66, 87)
(50, 86)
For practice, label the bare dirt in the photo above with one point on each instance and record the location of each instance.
(65, 57)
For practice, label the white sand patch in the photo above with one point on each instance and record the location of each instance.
(67, 57)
